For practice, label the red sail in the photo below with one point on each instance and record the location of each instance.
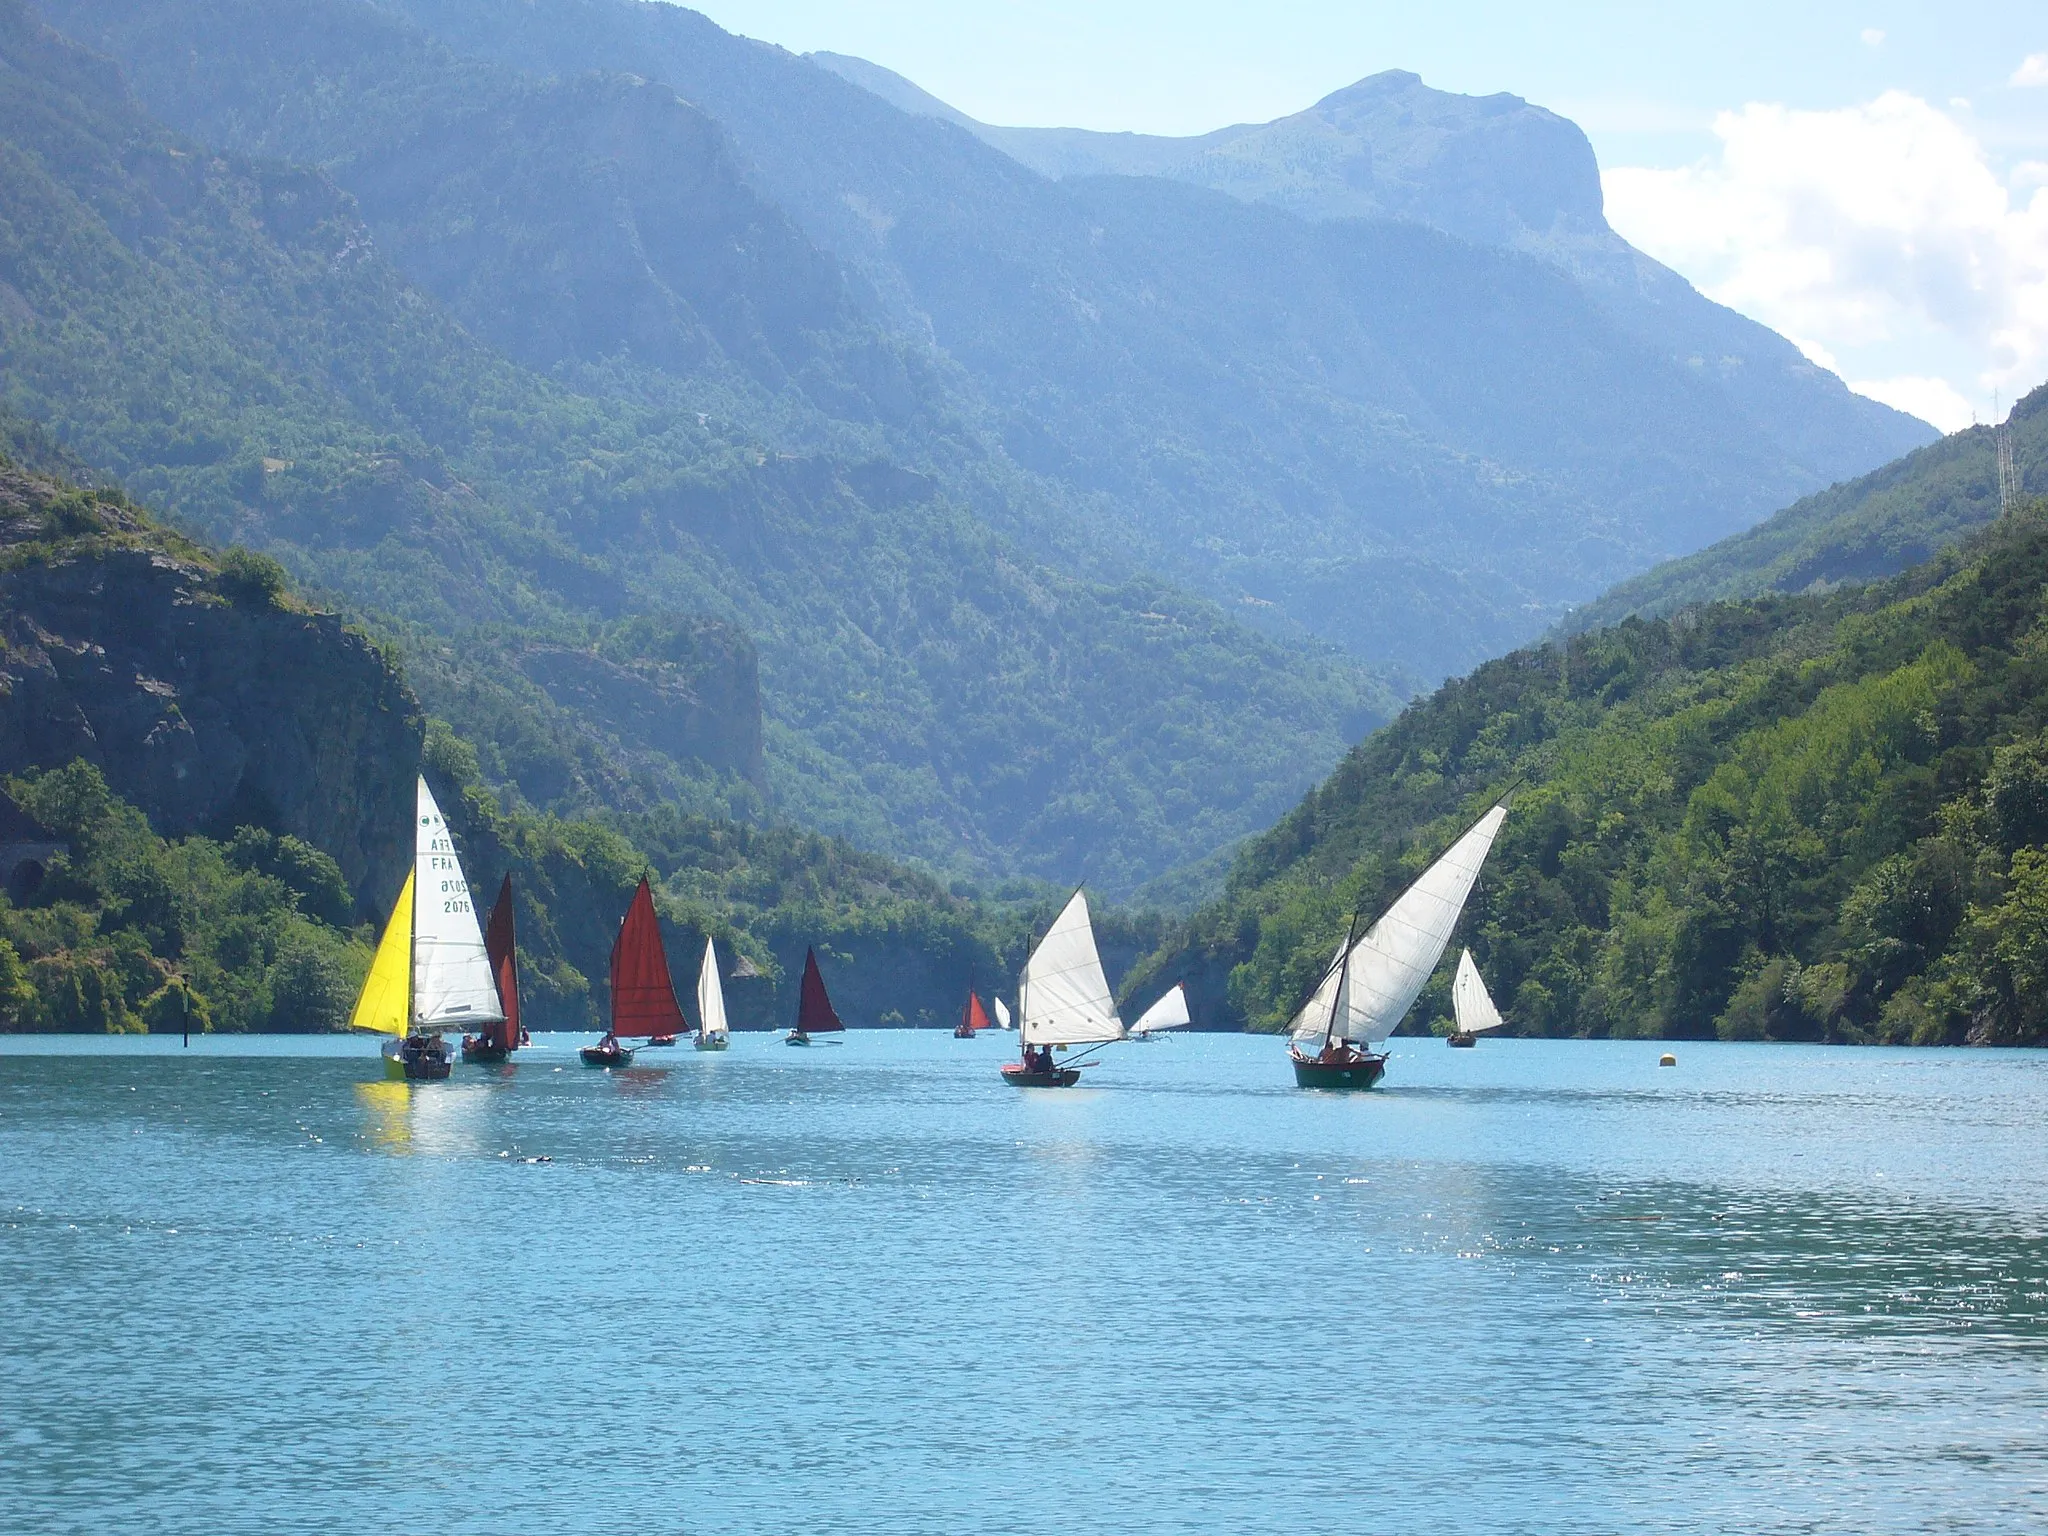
(814, 1015)
(643, 998)
(977, 1016)
(502, 952)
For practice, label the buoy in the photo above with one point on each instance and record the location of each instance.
(1667, 1060)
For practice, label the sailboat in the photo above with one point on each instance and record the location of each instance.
(431, 971)
(1003, 1015)
(814, 1012)
(1170, 1012)
(1062, 999)
(973, 1018)
(498, 1041)
(1371, 984)
(712, 1033)
(643, 998)
(1471, 1004)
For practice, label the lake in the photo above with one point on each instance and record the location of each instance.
(1532, 1287)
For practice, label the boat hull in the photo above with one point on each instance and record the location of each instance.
(475, 1053)
(710, 1042)
(1462, 1041)
(1344, 1077)
(606, 1056)
(661, 1040)
(417, 1059)
(962, 1032)
(794, 1038)
(1019, 1076)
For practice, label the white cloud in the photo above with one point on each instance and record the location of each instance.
(1934, 400)
(1875, 234)
(2033, 70)
(1873, 37)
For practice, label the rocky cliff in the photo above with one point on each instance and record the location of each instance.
(197, 687)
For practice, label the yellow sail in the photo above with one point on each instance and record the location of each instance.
(386, 1003)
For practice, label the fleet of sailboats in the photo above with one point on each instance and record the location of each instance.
(436, 970)
(1063, 999)
(1471, 1005)
(431, 972)
(814, 1011)
(1369, 987)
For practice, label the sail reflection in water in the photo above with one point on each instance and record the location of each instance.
(387, 1114)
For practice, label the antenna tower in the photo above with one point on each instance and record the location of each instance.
(2008, 474)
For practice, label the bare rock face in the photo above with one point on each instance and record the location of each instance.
(202, 695)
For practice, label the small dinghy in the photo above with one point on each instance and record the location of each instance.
(973, 1018)
(1472, 1005)
(431, 972)
(498, 1041)
(1170, 1012)
(815, 1014)
(643, 997)
(712, 1031)
(1375, 978)
(1062, 999)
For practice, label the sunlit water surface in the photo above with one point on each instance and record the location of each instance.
(1534, 1287)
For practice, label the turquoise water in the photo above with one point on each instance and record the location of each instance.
(1534, 1287)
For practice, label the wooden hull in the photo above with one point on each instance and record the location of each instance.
(1463, 1041)
(1349, 1076)
(1018, 1075)
(710, 1042)
(962, 1032)
(606, 1056)
(660, 1040)
(477, 1054)
(796, 1038)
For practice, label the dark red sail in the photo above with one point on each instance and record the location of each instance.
(502, 951)
(643, 997)
(814, 1015)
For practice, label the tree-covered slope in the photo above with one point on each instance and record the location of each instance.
(1415, 447)
(1867, 528)
(566, 560)
(1791, 817)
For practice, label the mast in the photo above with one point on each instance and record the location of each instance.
(452, 984)
(710, 995)
(814, 1012)
(643, 996)
(1064, 997)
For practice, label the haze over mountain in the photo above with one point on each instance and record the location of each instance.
(610, 358)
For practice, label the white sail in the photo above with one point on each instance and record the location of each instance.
(1389, 966)
(710, 995)
(1003, 1015)
(452, 986)
(1170, 1012)
(1469, 999)
(1064, 997)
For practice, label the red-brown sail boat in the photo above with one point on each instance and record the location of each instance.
(973, 1018)
(499, 1041)
(643, 998)
(814, 1012)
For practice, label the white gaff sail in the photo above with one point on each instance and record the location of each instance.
(452, 985)
(1003, 1015)
(1170, 1012)
(1469, 1000)
(710, 995)
(1064, 997)
(1388, 967)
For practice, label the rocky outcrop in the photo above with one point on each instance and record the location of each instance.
(205, 697)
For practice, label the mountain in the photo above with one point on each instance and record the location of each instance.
(1816, 817)
(1870, 527)
(1492, 170)
(206, 794)
(590, 567)
(1412, 446)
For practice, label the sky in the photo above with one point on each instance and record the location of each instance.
(1869, 179)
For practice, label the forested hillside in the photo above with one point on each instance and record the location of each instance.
(585, 579)
(206, 804)
(1870, 527)
(1820, 817)
(1415, 446)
